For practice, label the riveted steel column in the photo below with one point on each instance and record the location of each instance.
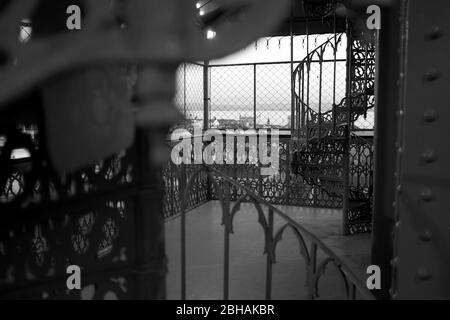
(422, 245)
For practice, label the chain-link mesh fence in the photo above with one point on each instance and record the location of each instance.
(189, 94)
(232, 96)
(254, 95)
(273, 95)
(250, 96)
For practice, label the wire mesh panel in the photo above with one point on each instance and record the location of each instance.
(273, 95)
(189, 94)
(232, 96)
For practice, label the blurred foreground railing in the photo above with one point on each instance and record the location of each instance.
(316, 254)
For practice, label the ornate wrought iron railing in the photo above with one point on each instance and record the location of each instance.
(316, 254)
(284, 188)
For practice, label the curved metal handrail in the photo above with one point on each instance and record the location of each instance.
(314, 269)
(310, 56)
(300, 69)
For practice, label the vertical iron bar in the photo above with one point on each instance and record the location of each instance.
(254, 96)
(308, 70)
(287, 180)
(346, 155)
(206, 119)
(269, 255)
(320, 95)
(335, 68)
(227, 226)
(292, 68)
(184, 91)
(312, 266)
(303, 114)
(172, 190)
(358, 172)
(366, 68)
(181, 190)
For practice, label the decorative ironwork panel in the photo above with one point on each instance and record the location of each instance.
(27, 179)
(51, 221)
(361, 166)
(176, 176)
(97, 238)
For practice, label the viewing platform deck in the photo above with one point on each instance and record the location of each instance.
(205, 245)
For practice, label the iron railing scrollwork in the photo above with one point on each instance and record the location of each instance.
(284, 188)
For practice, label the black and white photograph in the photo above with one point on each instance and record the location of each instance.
(225, 155)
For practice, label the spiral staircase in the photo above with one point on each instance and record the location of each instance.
(322, 140)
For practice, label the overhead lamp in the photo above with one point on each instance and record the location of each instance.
(210, 34)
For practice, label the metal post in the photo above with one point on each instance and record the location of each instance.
(334, 69)
(206, 97)
(182, 179)
(320, 96)
(292, 69)
(184, 91)
(227, 231)
(346, 142)
(387, 98)
(254, 96)
(269, 256)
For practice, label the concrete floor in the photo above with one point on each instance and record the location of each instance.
(205, 237)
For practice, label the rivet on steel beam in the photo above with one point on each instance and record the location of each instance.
(397, 226)
(423, 273)
(426, 236)
(432, 75)
(430, 116)
(399, 188)
(429, 156)
(434, 33)
(427, 195)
